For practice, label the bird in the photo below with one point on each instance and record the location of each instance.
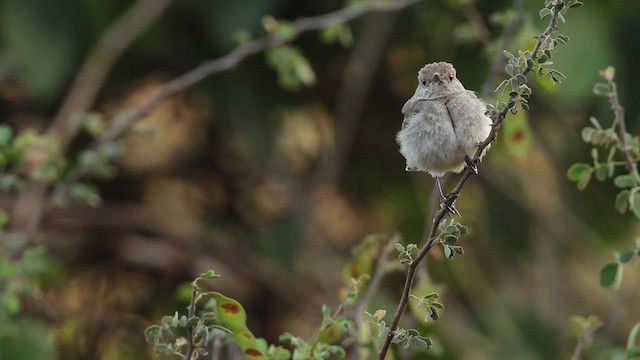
(443, 124)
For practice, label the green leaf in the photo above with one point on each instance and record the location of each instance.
(85, 193)
(450, 239)
(601, 172)
(209, 274)
(5, 135)
(625, 181)
(151, 333)
(625, 255)
(167, 320)
(601, 89)
(576, 4)
(632, 352)
(92, 123)
(508, 55)
(521, 79)
(608, 274)
(162, 349)
(422, 343)
(448, 252)
(576, 170)
(622, 201)
(399, 247)
(292, 67)
(339, 32)
(584, 179)
(545, 12)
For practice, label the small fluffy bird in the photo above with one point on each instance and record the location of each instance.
(443, 123)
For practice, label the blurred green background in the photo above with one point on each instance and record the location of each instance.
(272, 188)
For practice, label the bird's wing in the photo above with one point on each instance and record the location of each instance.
(412, 107)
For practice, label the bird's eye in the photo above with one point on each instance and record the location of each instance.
(423, 82)
(450, 77)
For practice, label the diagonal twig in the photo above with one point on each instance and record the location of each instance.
(124, 121)
(453, 195)
(208, 68)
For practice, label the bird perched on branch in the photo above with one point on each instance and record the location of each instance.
(443, 124)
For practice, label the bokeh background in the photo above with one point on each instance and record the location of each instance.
(272, 188)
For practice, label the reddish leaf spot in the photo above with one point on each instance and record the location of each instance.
(331, 332)
(253, 352)
(231, 308)
(518, 135)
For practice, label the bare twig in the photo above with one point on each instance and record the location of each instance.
(124, 121)
(474, 18)
(29, 209)
(353, 91)
(584, 339)
(111, 45)
(453, 195)
(191, 313)
(497, 67)
(618, 111)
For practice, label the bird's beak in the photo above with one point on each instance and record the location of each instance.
(436, 76)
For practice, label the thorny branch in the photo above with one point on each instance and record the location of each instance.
(453, 195)
(124, 121)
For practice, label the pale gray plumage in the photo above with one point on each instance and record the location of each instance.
(442, 124)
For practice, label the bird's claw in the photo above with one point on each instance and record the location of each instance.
(444, 203)
(471, 164)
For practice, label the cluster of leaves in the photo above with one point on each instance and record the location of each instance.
(170, 337)
(401, 336)
(619, 153)
(537, 61)
(448, 235)
(220, 317)
(293, 68)
(322, 345)
(21, 277)
(98, 163)
(623, 150)
(27, 155)
(431, 304)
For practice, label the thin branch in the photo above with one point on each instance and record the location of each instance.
(377, 277)
(191, 313)
(584, 339)
(476, 22)
(625, 149)
(453, 195)
(110, 47)
(497, 67)
(353, 92)
(28, 212)
(125, 121)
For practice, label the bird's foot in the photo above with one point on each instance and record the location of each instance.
(446, 202)
(471, 164)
